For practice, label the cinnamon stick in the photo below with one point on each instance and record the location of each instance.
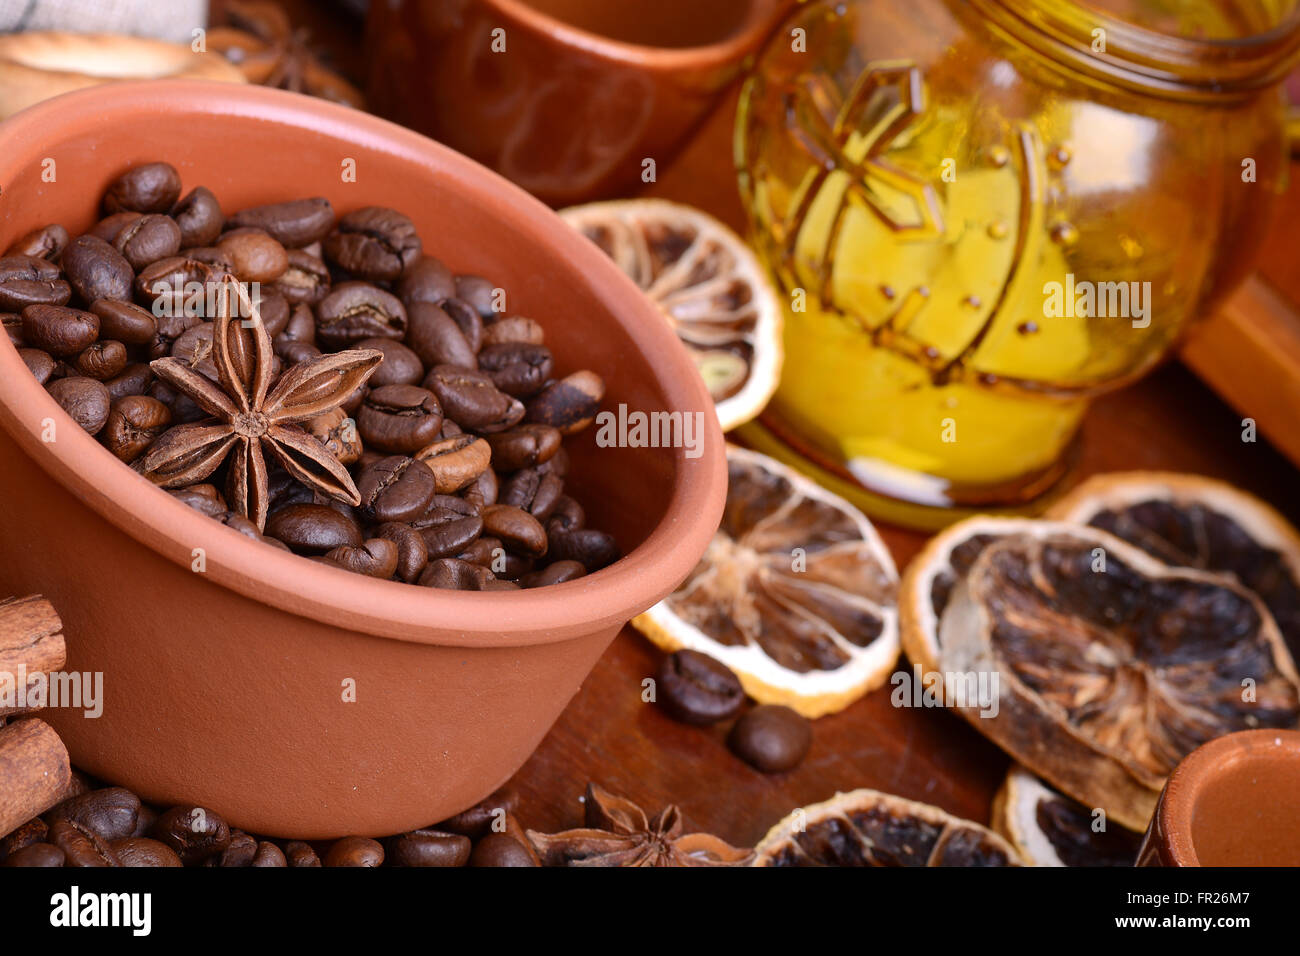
(31, 645)
(34, 771)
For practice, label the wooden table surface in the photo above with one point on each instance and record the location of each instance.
(608, 735)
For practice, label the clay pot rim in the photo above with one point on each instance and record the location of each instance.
(607, 598)
(746, 37)
(1207, 763)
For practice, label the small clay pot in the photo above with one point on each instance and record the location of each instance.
(291, 697)
(1234, 801)
(568, 98)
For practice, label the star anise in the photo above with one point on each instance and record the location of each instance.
(619, 834)
(249, 415)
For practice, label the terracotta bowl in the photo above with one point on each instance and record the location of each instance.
(1234, 801)
(226, 687)
(568, 98)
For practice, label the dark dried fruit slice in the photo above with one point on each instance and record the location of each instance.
(796, 593)
(1111, 666)
(869, 828)
(1201, 523)
(1048, 829)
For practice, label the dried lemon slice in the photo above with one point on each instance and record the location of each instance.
(1111, 666)
(708, 283)
(1197, 522)
(1048, 829)
(796, 593)
(869, 828)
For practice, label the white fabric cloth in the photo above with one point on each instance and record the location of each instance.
(163, 19)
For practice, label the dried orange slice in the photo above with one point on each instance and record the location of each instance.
(1048, 829)
(1111, 666)
(710, 286)
(1198, 522)
(796, 593)
(869, 828)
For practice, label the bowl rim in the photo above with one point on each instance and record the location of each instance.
(405, 612)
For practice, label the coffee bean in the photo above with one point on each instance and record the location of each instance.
(517, 368)
(194, 833)
(268, 854)
(145, 820)
(81, 845)
(293, 224)
(29, 280)
(436, 338)
(483, 551)
(111, 812)
(456, 461)
(412, 552)
(300, 854)
(467, 320)
(448, 532)
(513, 329)
(396, 488)
(219, 261)
(33, 831)
(556, 572)
(40, 363)
(37, 854)
(771, 738)
(535, 491)
(470, 398)
(103, 360)
(477, 821)
(124, 321)
(198, 216)
(376, 558)
(523, 446)
(300, 328)
(167, 288)
(399, 418)
(355, 851)
(238, 854)
(204, 498)
(426, 280)
(152, 187)
(108, 227)
(85, 399)
(454, 574)
(483, 490)
(479, 293)
(134, 423)
(13, 326)
(273, 309)
(337, 432)
(569, 404)
(255, 255)
(46, 242)
(500, 849)
(428, 848)
(374, 243)
(354, 311)
(307, 279)
(521, 532)
(142, 851)
(148, 239)
(58, 329)
(313, 529)
(568, 515)
(400, 366)
(595, 549)
(697, 689)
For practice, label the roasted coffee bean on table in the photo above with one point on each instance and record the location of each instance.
(771, 738)
(402, 426)
(696, 689)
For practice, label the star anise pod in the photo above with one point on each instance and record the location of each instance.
(249, 416)
(619, 834)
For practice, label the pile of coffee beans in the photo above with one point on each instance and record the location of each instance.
(455, 443)
(111, 826)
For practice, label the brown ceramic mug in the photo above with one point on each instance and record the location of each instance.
(1234, 801)
(568, 98)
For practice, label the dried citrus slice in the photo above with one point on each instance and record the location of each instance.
(1111, 666)
(796, 593)
(1200, 523)
(708, 283)
(869, 828)
(1048, 829)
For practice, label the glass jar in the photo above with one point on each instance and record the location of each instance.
(982, 214)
